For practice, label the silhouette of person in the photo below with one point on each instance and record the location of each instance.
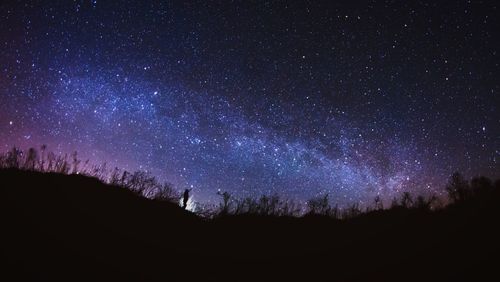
(185, 198)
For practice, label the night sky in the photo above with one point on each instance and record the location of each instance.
(300, 98)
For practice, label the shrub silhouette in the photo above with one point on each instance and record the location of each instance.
(457, 188)
(266, 206)
(421, 203)
(144, 184)
(481, 186)
(351, 211)
(225, 205)
(406, 200)
(31, 159)
(319, 206)
(167, 193)
(377, 203)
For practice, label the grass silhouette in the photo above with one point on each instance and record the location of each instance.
(64, 220)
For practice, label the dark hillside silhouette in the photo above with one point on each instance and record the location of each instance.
(58, 226)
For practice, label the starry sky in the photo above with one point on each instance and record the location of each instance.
(300, 98)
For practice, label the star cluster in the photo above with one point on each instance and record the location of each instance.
(299, 98)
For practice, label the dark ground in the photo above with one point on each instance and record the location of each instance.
(74, 228)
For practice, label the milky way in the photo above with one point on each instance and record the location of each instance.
(299, 98)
